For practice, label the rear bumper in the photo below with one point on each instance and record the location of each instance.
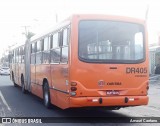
(108, 101)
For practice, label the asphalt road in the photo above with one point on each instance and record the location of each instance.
(15, 104)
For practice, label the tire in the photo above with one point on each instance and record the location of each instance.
(46, 95)
(23, 85)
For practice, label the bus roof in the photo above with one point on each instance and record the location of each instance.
(68, 21)
(49, 31)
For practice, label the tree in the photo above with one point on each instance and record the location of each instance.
(29, 35)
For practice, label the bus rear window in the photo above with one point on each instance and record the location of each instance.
(111, 41)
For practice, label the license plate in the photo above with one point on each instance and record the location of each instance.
(112, 92)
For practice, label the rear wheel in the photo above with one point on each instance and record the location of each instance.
(46, 95)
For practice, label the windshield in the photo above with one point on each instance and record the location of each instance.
(111, 41)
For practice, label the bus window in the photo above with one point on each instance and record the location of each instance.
(39, 53)
(65, 37)
(55, 42)
(14, 57)
(23, 53)
(97, 42)
(46, 57)
(11, 56)
(46, 52)
(46, 44)
(139, 45)
(50, 41)
(64, 57)
(20, 54)
(55, 55)
(42, 44)
(33, 46)
(64, 54)
(17, 56)
(39, 46)
(38, 58)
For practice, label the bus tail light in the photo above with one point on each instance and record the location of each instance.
(136, 98)
(73, 83)
(133, 99)
(73, 88)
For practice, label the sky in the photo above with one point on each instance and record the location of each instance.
(39, 15)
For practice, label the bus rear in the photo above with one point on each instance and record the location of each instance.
(109, 61)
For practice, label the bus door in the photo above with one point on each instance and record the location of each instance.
(64, 58)
(33, 67)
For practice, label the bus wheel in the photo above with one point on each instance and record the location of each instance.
(23, 85)
(13, 80)
(46, 95)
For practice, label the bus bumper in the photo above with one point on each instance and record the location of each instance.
(108, 101)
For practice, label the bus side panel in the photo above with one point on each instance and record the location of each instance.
(60, 78)
(53, 96)
(33, 84)
(17, 74)
(42, 74)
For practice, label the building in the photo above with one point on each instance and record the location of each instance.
(154, 58)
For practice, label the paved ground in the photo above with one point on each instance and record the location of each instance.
(15, 104)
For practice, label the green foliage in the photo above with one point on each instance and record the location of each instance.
(29, 35)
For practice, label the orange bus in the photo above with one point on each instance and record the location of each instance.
(86, 61)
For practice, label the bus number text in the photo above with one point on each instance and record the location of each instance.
(132, 70)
